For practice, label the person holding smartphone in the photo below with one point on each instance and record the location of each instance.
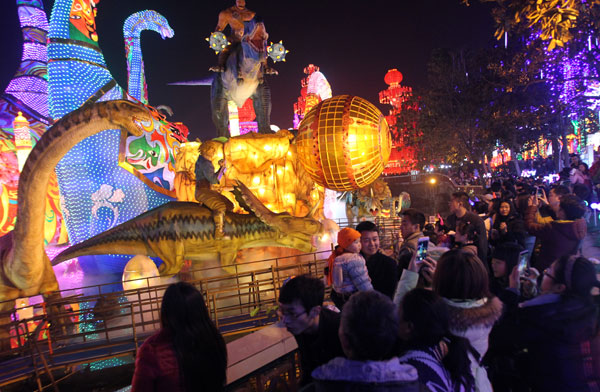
(411, 229)
(557, 237)
(418, 274)
(557, 331)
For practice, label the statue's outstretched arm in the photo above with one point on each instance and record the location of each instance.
(223, 20)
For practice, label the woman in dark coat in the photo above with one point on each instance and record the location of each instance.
(507, 226)
(188, 353)
(558, 329)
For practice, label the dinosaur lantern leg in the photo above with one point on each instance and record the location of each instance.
(261, 99)
(220, 111)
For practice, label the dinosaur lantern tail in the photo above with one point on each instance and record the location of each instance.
(125, 238)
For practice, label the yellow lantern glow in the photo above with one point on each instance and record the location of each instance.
(344, 143)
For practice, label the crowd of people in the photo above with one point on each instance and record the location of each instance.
(502, 300)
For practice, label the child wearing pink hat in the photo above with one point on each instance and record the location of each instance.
(347, 271)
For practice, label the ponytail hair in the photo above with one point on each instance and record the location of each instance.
(457, 360)
(430, 320)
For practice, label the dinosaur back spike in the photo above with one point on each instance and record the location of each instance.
(132, 237)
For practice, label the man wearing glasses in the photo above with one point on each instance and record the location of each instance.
(314, 327)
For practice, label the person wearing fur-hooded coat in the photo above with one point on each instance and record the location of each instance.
(461, 279)
(473, 320)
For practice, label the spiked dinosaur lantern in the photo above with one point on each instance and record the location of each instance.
(179, 230)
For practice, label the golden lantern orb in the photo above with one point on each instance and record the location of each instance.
(344, 143)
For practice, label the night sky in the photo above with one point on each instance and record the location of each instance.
(353, 43)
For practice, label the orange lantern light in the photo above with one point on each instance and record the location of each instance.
(344, 143)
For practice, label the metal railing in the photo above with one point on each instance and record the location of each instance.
(77, 329)
(90, 323)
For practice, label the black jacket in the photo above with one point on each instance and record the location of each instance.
(383, 273)
(561, 341)
(318, 349)
(482, 242)
(515, 232)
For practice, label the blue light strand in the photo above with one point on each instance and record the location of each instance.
(132, 29)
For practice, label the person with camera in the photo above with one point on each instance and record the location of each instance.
(557, 237)
(462, 280)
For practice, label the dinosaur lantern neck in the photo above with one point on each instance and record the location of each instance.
(132, 29)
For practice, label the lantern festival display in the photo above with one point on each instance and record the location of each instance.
(344, 143)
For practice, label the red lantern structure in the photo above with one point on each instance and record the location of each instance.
(315, 88)
(403, 156)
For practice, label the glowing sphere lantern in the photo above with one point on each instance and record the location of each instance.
(139, 272)
(344, 143)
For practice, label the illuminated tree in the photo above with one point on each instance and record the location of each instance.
(548, 71)
(554, 19)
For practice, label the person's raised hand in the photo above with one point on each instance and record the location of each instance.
(414, 265)
(428, 269)
(513, 278)
(543, 196)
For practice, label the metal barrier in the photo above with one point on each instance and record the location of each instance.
(84, 328)
(78, 326)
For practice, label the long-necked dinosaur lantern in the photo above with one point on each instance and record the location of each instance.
(26, 269)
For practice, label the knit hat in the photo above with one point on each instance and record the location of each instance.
(346, 236)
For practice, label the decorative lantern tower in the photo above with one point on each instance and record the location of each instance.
(402, 158)
(315, 88)
(22, 139)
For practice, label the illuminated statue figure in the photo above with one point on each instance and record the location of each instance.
(243, 79)
(234, 17)
(132, 30)
(205, 177)
(25, 269)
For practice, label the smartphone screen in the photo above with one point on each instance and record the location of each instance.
(523, 261)
(422, 248)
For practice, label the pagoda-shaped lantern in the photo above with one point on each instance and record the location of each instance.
(22, 139)
(402, 158)
(395, 94)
